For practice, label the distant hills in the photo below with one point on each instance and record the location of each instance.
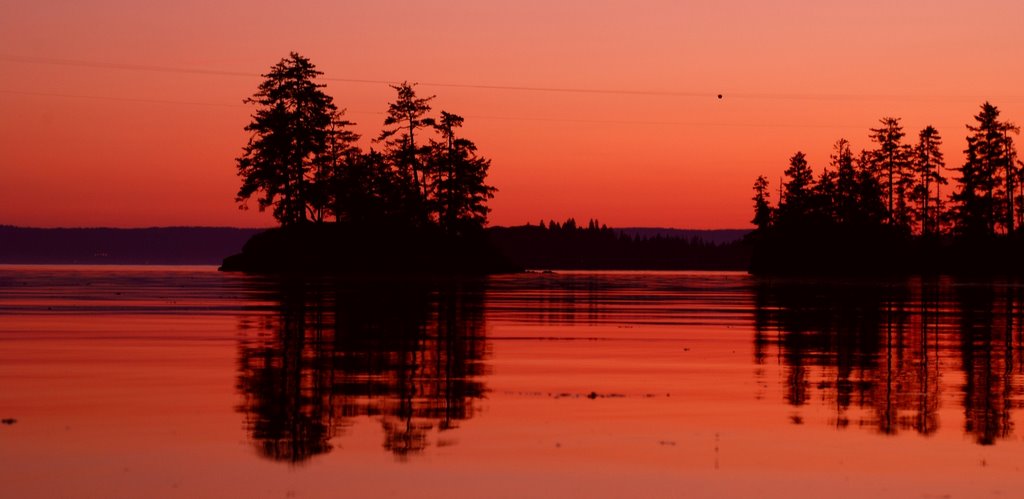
(210, 245)
(150, 246)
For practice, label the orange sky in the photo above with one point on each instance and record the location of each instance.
(97, 144)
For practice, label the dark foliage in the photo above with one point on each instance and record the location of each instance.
(884, 213)
(284, 157)
(303, 162)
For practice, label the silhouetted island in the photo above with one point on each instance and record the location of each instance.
(417, 205)
(883, 212)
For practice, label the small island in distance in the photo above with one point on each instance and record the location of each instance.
(418, 205)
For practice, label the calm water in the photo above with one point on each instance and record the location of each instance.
(149, 382)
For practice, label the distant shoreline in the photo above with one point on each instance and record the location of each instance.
(208, 246)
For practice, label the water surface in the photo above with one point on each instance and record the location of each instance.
(172, 381)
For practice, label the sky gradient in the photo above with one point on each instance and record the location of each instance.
(101, 125)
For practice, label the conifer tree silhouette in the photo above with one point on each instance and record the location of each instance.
(289, 137)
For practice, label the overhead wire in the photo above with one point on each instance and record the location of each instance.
(182, 70)
(607, 91)
(482, 86)
(471, 116)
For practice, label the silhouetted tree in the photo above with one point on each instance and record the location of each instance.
(825, 196)
(405, 116)
(339, 155)
(928, 164)
(289, 138)
(798, 194)
(890, 161)
(459, 179)
(762, 206)
(846, 202)
(981, 209)
(871, 210)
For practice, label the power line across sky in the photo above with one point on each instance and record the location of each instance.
(478, 117)
(116, 66)
(10, 58)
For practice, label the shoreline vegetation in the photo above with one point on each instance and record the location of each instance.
(883, 211)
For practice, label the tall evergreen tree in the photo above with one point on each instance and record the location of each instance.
(927, 165)
(405, 117)
(984, 198)
(841, 161)
(330, 167)
(1011, 178)
(460, 192)
(890, 163)
(871, 209)
(798, 191)
(289, 136)
(762, 205)
(826, 195)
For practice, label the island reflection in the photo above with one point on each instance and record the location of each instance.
(410, 356)
(888, 350)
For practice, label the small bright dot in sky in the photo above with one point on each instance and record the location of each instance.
(719, 96)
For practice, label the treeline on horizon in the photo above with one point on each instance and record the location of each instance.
(897, 208)
(567, 245)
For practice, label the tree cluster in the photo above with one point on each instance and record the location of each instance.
(302, 160)
(899, 185)
(892, 194)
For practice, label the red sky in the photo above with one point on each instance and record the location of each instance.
(106, 143)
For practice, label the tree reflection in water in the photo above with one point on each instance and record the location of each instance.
(887, 348)
(410, 356)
